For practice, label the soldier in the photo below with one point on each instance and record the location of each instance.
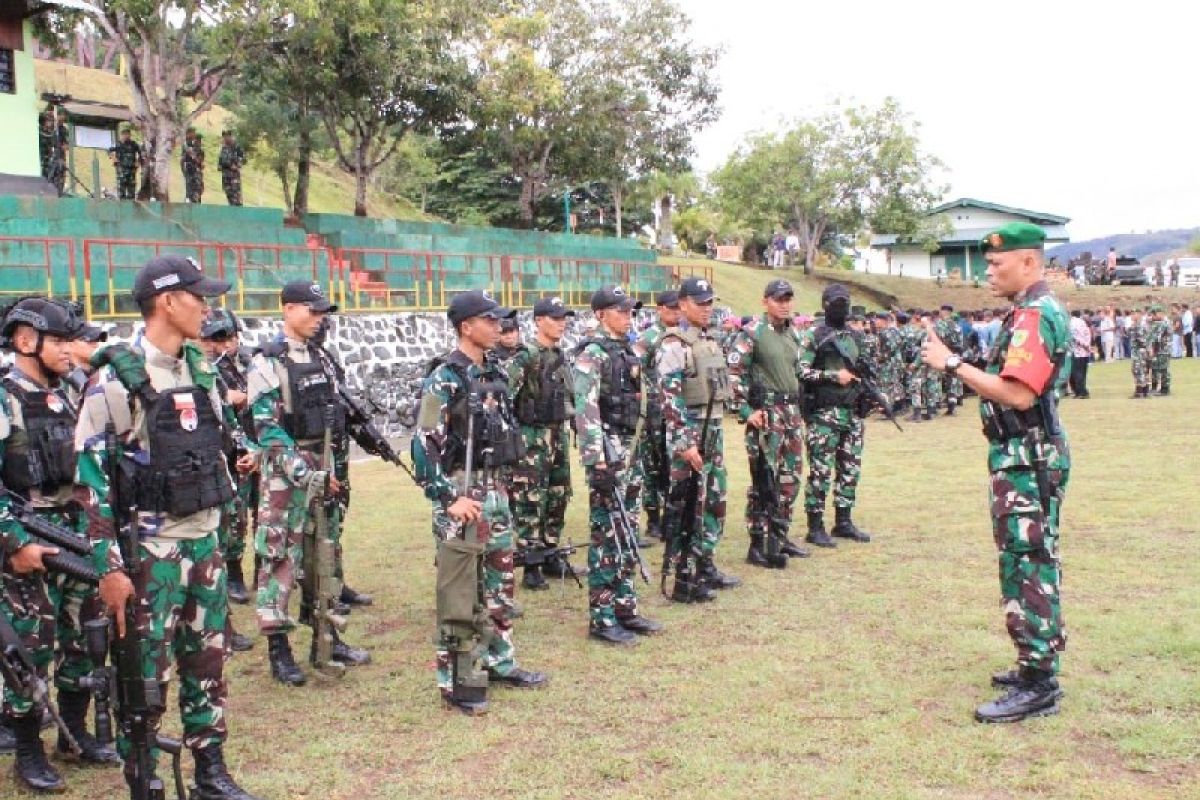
(914, 372)
(127, 157)
(37, 429)
(155, 412)
(1139, 354)
(1028, 461)
(230, 161)
(465, 441)
(510, 341)
(191, 161)
(766, 392)
(949, 332)
(693, 380)
(608, 416)
(1160, 351)
(540, 381)
(292, 393)
(652, 458)
(931, 380)
(891, 365)
(81, 349)
(834, 426)
(53, 144)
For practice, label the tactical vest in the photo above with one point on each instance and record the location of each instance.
(775, 356)
(186, 473)
(312, 397)
(496, 439)
(620, 399)
(704, 367)
(545, 395)
(40, 455)
(828, 358)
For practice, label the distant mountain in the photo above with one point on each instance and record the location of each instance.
(1138, 245)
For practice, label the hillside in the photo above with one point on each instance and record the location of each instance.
(1139, 245)
(332, 190)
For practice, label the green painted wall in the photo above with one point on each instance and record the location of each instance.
(19, 112)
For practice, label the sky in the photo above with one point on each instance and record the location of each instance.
(1085, 110)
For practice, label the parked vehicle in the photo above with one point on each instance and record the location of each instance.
(1189, 272)
(1130, 271)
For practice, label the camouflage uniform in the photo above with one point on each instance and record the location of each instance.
(951, 385)
(763, 362)
(243, 509)
(1160, 359)
(439, 453)
(1139, 356)
(541, 482)
(1032, 347)
(52, 144)
(607, 398)
(651, 461)
(914, 376)
(230, 161)
(191, 161)
(834, 428)
(181, 607)
(127, 158)
(891, 364)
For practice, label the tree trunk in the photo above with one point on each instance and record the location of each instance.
(666, 226)
(283, 172)
(618, 200)
(362, 175)
(303, 171)
(162, 144)
(525, 201)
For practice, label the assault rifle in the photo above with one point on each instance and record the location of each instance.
(627, 539)
(766, 498)
(139, 700)
(680, 539)
(866, 381)
(536, 556)
(73, 549)
(362, 428)
(20, 674)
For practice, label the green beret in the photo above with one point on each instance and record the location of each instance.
(1014, 236)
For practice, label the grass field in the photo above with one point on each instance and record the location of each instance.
(852, 674)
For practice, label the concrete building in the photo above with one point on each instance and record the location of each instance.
(966, 220)
(19, 162)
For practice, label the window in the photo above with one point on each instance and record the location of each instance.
(8, 72)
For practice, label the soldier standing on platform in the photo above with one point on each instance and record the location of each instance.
(230, 161)
(127, 157)
(191, 161)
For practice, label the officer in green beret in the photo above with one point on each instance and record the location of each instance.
(1028, 460)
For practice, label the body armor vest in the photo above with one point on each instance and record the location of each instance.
(620, 398)
(829, 357)
(312, 397)
(704, 369)
(186, 472)
(545, 394)
(496, 438)
(41, 454)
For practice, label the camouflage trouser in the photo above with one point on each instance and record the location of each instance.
(193, 183)
(46, 609)
(54, 170)
(1140, 366)
(1161, 372)
(952, 388)
(783, 437)
(835, 442)
(710, 503)
(246, 516)
(231, 182)
(1030, 570)
(914, 385)
(126, 184)
(931, 388)
(181, 615)
(500, 657)
(541, 486)
(652, 462)
(611, 592)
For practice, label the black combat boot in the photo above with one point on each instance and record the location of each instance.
(613, 634)
(8, 739)
(844, 527)
(950, 406)
(283, 664)
(1002, 680)
(239, 642)
(235, 585)
(520, 679)
(30, 765)
(927, 416)
(690, 589)
(533, 579)
(713, 577)
(213, 781)
(73, 707)
(1035, 695)
(653, 523)
(756, 556)
(350, 597)
(915, 416)
(1164, 391)
(341, 652)
(642, 626)
(790, 548)
(816, 531)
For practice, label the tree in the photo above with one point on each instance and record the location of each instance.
(178, 54)
(663, 190)
(832, 174)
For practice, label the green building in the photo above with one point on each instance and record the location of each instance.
(20, 167)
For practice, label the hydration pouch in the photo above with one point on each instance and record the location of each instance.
(458, 601)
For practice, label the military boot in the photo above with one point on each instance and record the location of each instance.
(30, 765)
(239, 642)
(713, 577)
(235, 585)
(213, 781)
(756, 556)
(950, 406)
(1164, 391)
(816, 531)
(653, 523)
(283, 664)
(533, 579)
(1002, 680)
(790, 548)
(8, 739)
(350, 597)
(927, 416)
(73, 707)
(341, 652)
(1036, 695)
(915, 416)
(690, 589)
(844, 527)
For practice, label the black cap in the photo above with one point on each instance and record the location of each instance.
(947, 307)
(171, 273)
(552, 307)
(834, 291)
(901, 317)
(308, 293)
(699, 289)
(669, 298)
(614, 297)
(93, 333)
(509, 324)
(778, 288)
(220, 324)
(476, 303)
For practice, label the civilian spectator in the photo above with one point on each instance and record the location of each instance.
(1081, 355)
(1108, 330)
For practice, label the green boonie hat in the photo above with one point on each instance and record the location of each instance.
(1014, 236)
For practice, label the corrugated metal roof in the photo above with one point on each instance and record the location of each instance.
(1038, 217)
(1054, 234)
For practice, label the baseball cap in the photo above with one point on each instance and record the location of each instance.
(778, 288)
(699, 289)
(552, 307)
(476, 303)
(307, 293)
(614, 297)
(93, 333)
(169, 273)
(834, 291)
(669, 298)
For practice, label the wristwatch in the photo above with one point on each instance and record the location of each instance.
(953, 362)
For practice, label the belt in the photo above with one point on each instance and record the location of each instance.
(781, 398)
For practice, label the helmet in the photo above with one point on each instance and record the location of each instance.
(45, 315)
(220, 324)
